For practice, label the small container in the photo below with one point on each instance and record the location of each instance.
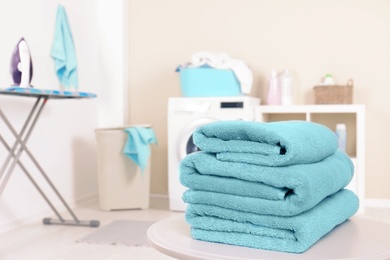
(286, 88)
(273, 97)
(341, 132)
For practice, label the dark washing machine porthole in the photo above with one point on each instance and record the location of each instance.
(191, 147)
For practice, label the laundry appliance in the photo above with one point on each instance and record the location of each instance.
(187, 114)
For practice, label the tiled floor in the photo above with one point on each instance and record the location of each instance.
(41, 242)
(36, 241)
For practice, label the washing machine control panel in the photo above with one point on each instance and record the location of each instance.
(208, 107)
(232, 105)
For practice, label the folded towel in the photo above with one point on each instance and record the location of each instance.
(137, 144)
(286, 191)
(288, 234)
(273, 144)
(63, 51)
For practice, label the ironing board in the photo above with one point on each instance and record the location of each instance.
(357, 238)
(13, 159)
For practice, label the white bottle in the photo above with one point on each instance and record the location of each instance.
(341, 132)
(273, 97)
(286, 88)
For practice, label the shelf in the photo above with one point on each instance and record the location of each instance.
(329, 115)
(310, 109)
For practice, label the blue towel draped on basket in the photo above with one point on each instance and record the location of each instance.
(137, 145)
(276, 186)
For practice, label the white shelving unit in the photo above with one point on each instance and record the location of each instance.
(354, 116)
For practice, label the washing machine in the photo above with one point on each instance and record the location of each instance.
(184, 116)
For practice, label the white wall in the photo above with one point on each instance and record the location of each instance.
(113, 61)
(348, 38)
(63, 141)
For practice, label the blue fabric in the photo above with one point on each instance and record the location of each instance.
(63, 51)
(284, 191)
(288, 234)
(273, 144)
(137, 145)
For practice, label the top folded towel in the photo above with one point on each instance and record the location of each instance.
(270, 144)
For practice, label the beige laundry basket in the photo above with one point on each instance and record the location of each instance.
(122, 184)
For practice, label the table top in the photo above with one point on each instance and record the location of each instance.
(357, 238)
(45, 93)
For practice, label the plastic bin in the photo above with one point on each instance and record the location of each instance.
(208, 82)
(122, 184)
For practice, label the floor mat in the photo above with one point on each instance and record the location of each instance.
(120, 232)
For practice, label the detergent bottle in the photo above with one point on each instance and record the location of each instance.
(341, 132)
(273, 97)
(286, 88)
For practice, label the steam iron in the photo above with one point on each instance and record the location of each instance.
(21, 65)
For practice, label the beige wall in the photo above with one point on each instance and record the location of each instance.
(348, 38)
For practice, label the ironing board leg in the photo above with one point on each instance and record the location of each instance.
(6, 162)
(32, 180)
(47, 221)
(19, 141)
(91, 223)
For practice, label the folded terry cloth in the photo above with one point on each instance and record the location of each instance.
(137, 145)
(288, 234)
(285, 191)
(63, 51)
(273, 144)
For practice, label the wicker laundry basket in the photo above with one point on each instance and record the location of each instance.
(334, 94)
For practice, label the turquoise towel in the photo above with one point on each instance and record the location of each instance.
(288, 234)
(63, 52)
(286, 191)
(137, 145)
(273, 144)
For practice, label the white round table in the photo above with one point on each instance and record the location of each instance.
(357, 238)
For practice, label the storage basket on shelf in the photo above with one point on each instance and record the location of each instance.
(334, 94)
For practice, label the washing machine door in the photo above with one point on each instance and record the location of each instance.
(185, 144)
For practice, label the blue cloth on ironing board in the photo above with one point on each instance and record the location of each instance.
(63, 51)
(137, 145)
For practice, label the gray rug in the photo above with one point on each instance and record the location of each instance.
(120, 232)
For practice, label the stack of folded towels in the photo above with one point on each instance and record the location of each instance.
(275, 186)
